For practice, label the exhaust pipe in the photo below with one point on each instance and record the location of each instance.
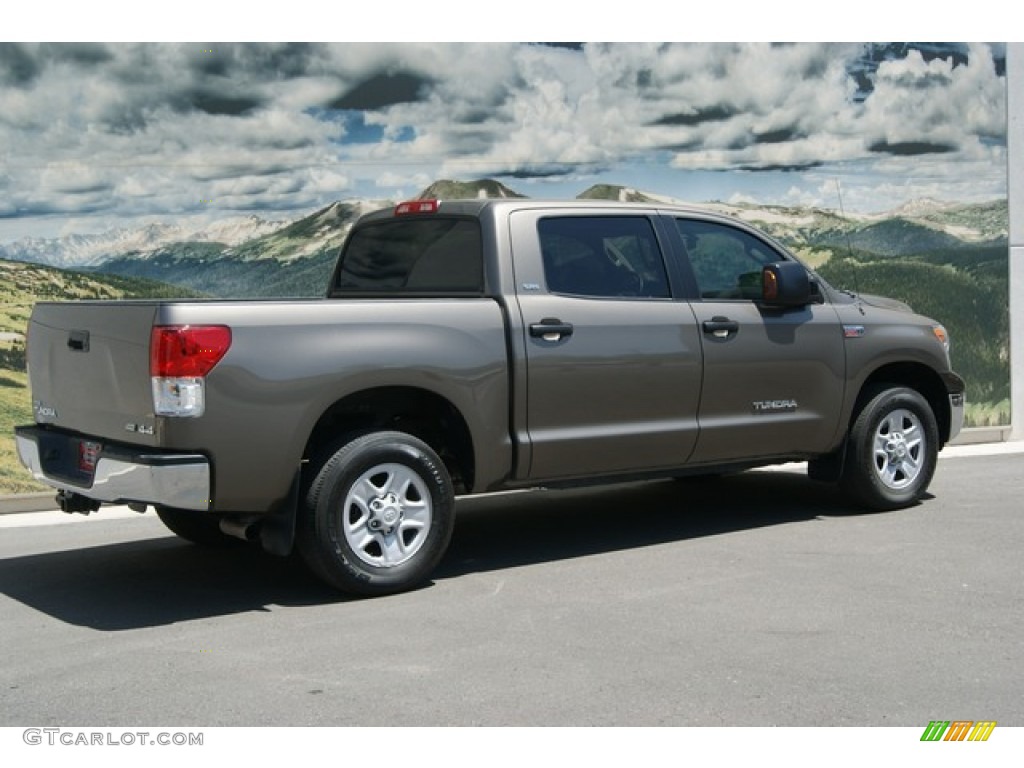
(243, 528)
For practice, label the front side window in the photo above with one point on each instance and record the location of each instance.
(602, 256)
(726, 262)
(413, 256)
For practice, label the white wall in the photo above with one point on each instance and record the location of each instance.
(1015, 190)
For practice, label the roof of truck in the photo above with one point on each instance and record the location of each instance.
(476, 206)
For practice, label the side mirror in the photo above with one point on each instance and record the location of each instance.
(786, 284)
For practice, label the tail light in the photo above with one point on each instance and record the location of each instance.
(180, 357)
(417, 206)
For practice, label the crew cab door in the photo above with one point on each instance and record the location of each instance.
(773, 378)
(612, 362)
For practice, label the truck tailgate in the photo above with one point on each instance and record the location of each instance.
(89, 367)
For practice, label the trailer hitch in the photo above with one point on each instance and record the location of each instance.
(71, 502)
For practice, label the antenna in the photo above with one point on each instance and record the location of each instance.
(846, 230)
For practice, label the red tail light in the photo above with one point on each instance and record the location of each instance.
(187, 350)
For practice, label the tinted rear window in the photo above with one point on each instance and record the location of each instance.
(413, 256)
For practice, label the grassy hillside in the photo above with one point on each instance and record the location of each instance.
(21, 285)
(893, 237)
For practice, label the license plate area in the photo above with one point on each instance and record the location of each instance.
(69, 458)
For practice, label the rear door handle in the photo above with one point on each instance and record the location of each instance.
(551, 329)
(720, 327)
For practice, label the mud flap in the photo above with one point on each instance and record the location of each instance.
(828, 468)
(277, 530)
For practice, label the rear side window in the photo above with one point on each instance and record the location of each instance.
(413, 256)
(602, 256)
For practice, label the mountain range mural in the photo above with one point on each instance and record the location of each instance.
(235, 170)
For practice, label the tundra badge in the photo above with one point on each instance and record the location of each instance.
(774, 406)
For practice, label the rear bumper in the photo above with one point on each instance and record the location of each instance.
(123, 474)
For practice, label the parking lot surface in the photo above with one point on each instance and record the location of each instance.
(756, 599)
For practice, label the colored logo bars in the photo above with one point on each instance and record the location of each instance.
(958, 730)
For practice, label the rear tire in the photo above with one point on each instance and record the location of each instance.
(196, 527)
(893, 449)
(379, 515)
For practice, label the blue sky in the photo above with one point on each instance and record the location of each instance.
(95, 136)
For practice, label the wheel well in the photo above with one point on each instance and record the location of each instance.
(917, 377)
(426, 415)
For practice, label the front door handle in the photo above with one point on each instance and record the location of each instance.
(720, 327)
(551, 329)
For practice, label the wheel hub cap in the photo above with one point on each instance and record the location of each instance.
(386, 515)
(899, 449)
(896, 448)
(385, 512)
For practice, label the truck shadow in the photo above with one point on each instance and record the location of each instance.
(154, 582)
(160, 581)
(505, 531)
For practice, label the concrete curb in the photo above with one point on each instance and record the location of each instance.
(27, 502)
(974, 435)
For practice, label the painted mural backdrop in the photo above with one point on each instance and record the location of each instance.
(236, 169)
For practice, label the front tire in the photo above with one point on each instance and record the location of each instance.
(379, 515)
(893, 449)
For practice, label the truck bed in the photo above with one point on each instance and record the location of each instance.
(288, 362)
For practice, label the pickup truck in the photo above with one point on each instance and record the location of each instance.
(474, 346)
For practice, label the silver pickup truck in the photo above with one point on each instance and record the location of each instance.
(474, 346)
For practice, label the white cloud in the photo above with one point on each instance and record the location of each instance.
(145, 129)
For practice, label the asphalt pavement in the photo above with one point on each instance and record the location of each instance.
(756, 599)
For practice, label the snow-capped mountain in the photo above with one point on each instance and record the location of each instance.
(250, 256)
(972, 223)
(294, 259)
(446, 189)
(75, 251)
